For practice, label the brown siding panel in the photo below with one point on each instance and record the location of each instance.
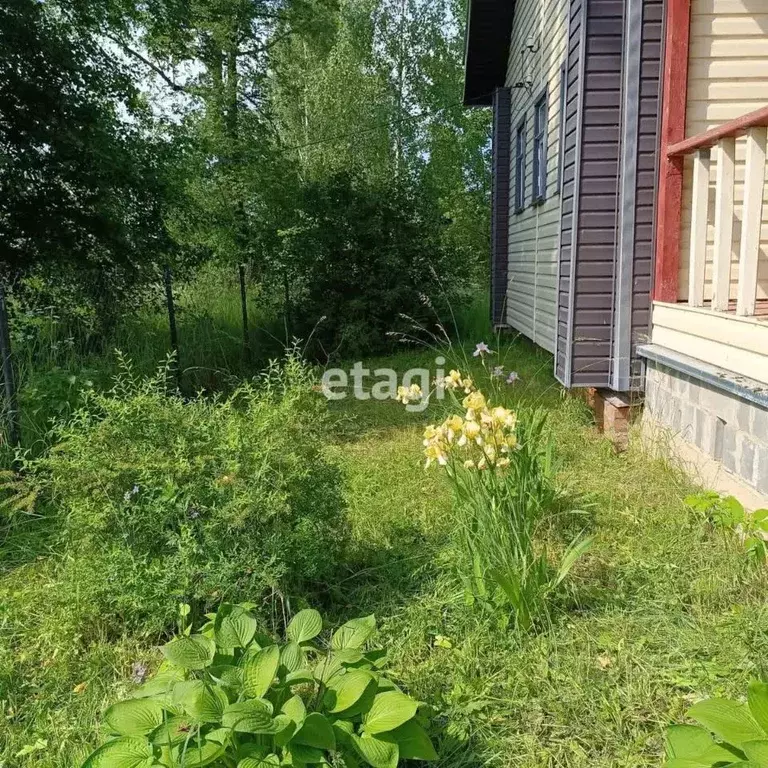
(502, 137)
(567, 192)
(653, 11)
(598, 191)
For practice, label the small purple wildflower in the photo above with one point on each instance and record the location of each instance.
(498, 372)
(481, 350)
(513, 377)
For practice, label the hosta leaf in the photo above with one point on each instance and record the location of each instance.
(267, 761)
(196, 756)
(302, 754)
(756, 751)
(349, 656)
(388, 711)
(295, 709)
(728, 720)
(122, 753)
(252, 716)
(301, 677)
(259, 671)
(161, 683)
(234, 627)
(375, 752)
(209, 705)
(229, 677)
(220, 736)
(316, 731)
(720, 754)
(134, 717)
(354, 634)
(687, 741)
(292, 657)
(193, 652)
(343, 730)
(757, 699)
(346, 690)
(304, 626)
(281, 723)
(185, 694)
(412, 741)
(327, 668)
(172, 732)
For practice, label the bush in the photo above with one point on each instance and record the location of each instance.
(232, 696)
(165, 499)
(360, 257)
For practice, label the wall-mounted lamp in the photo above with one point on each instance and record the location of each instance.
(526, 84)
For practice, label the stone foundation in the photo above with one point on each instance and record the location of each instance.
(728, 428)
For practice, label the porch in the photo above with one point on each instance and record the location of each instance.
(711, 303)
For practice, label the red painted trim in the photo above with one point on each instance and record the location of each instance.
(670, 190)
(731, 129)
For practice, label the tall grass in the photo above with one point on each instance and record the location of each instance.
(55, 360)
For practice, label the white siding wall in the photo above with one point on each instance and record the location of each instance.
(727, 78)
(533, 233)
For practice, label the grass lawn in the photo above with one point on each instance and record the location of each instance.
(661, 611)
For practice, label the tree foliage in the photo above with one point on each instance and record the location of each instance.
(81, 175)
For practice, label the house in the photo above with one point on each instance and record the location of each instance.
(629, 236)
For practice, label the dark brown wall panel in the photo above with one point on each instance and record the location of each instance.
(502, 137)
(570, 139)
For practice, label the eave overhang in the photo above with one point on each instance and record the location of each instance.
(489, 32)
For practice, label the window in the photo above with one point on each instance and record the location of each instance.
(540, 149)
(520, 168)
(563, 104)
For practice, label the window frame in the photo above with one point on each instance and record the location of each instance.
(521, 141)
(540, 141)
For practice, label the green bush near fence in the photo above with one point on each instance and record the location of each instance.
(161, 499)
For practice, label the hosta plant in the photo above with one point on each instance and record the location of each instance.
(727, 513)
(229, 696)
(730, 733)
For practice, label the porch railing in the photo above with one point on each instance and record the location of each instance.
(723, 139)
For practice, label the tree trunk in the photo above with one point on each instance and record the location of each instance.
(12, 405)
(244, 306)
(168, 280)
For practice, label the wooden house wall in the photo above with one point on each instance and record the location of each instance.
(534, 232)
(650, 74)
(596, 256)
(727, 78)
(571, 157)
(500, 204)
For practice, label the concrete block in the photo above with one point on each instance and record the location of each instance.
(687, 420)
(729, 458)
(761, 473)
(704, 428)
(694, 391)
(747, 459)
(718, 426)
(716, 402)
(744, 416)
(759, 428)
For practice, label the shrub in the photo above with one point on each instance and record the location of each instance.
(164, 499)
(361, 256)
(501, 472)
(740, 733)
(230, 696)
